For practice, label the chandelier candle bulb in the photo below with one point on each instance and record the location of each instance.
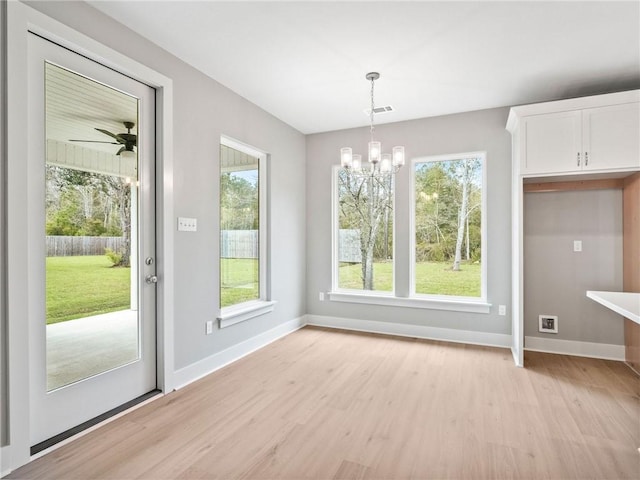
(385, 163)
(357, 162)
(374, 152)
(346, 157)
(398, 156)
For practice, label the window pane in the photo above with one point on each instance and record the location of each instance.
(448, 230)
(365, 232)
(239, 227)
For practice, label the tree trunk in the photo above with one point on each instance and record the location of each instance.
(367, 270)
(125, 219)
(467, 239)
(462, 216)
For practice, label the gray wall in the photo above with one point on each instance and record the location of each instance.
(556, 278)
(474, 131)
(203, 110)
(3, 164)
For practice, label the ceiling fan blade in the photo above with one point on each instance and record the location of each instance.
(113, 135)
(95, 141)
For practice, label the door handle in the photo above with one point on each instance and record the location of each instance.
(151, 279)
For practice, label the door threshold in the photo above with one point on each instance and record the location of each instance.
(39, 448)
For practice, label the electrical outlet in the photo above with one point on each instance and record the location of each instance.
(186, 224)
(502, 309)
(321, 296)
(577, 245)
(209, 327)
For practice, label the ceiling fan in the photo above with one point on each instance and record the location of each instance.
(127, 140)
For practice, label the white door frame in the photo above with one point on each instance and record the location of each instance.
(22, 19)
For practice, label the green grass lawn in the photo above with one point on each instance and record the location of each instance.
(238, 280)
(84, 286)
(431, 278)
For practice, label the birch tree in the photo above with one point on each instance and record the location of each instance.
(466, 172)
(365, 203)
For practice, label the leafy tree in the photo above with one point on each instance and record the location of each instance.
(86, 203)
(465, 172)
(239, 209)
(448, 198)
(120, 190)
(365, 203)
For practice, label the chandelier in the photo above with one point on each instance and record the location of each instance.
(379, 163)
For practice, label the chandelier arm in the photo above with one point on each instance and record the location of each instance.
(372, 107)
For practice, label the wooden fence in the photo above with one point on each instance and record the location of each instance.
(349, 246)
(233, 244)
(244, 244)
(67, 246)
(239, 244)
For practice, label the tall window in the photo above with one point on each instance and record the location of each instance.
(364, 237)
(448, 225)
(242, 225)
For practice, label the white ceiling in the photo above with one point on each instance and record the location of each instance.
(77, 105)
(305, 62)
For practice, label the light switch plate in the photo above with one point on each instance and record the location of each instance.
(186, 224)
(577, 245)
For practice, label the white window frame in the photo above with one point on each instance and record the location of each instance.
(411, 299)
(241, 312)
(369, 296)
(482, 299)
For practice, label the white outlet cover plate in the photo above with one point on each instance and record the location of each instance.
(577, 245)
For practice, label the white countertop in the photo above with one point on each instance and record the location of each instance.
(626, 304)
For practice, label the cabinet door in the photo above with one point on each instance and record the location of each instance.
(552, 143)
(612, 137)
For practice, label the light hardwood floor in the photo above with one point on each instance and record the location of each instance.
(322, 404)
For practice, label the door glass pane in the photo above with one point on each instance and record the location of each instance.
(91, 193)
(239, 227)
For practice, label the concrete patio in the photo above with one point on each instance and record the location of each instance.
(81, 348)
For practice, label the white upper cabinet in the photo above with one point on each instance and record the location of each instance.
(552, 142)
(581, 135)
(611, 136)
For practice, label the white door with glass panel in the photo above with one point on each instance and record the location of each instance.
(91, 239)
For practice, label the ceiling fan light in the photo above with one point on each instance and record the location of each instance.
(128, 154)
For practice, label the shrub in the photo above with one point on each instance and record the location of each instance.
(114, 257)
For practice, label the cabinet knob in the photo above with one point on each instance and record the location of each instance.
(578, 159)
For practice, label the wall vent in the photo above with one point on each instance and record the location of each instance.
(377, 110)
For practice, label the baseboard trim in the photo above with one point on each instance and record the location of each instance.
(414, 331)
(604, 351)
(204, 367)
(4, 456)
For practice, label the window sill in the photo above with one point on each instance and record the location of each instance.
(432, 303)
(246, 311)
